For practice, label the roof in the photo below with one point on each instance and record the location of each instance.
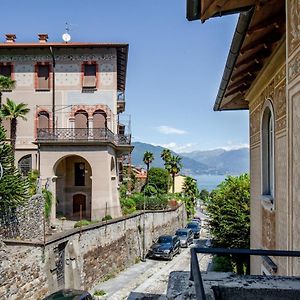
(260, 28)
(122, 53)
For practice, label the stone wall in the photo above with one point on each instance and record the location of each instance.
(80, 258)
(25, 222)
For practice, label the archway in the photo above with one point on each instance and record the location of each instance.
(81, 124)
(43, 120)
(73, 187)
(25, 164)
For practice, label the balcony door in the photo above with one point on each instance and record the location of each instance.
(81, 125)
(99, 124)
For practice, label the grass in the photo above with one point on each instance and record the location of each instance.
(99, 293)
(109, 276)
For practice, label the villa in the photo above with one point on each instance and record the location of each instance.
(76, 133)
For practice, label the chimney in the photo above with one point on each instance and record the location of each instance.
(43, 37)
(10, 38)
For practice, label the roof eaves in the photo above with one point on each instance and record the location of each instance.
(237, 42)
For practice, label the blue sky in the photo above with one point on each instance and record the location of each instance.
(174, 66)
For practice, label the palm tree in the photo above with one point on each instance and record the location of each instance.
(191, 193)
(148, 159)
(12, 112)
(5, 84)
(165, 155)
(173, 165)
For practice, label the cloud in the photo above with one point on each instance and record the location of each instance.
(231, 146)
(170, 130)
(176, 147)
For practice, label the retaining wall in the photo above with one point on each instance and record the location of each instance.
(80, 258)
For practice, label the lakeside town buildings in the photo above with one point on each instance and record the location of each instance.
(262, 75)
(75, 133)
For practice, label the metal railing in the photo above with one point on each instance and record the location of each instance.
(195, 274)
(82, 134)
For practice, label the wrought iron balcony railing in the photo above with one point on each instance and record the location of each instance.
(82, 134)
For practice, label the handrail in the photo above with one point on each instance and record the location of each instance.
(195, 274)
(82, 134)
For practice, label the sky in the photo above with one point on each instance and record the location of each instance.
(174, 66)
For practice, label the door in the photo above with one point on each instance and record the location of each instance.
(79, 204)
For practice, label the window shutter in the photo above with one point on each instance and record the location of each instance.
(89, 79)
(43, 77)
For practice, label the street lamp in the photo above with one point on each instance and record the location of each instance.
(144, 213)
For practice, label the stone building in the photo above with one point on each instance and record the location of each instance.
(262, 75)
(74, 133)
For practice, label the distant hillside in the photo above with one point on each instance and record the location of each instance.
(190, 165)
(225, 162)
(218, 161)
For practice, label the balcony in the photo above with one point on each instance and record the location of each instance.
(82, 135)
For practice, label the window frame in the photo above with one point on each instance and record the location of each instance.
(12, 74)
(267, 131)
(37, 87)
(85, 87)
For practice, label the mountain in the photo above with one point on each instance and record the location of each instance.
(189, 165)
(224, 161)
(217, 161)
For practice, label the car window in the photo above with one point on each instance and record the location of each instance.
(164, 239)
(181, 233)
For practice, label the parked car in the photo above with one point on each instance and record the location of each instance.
(195, 227)
(185, 236)
(70, 294)
(196, 219)
(166, 246)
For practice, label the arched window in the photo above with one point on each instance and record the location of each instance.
(81, 119)
(267, 158)
(25, 164)
(43, 120)
(99, 119)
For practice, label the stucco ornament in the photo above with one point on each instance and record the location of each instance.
(294, 24)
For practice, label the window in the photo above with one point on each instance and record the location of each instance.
(43, 82)
(79, 174)
(25, 164)
(6, 70)
(89, 76)
(43, 120)
(268, 151)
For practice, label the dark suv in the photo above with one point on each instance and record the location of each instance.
(166, 246)
(70, 294)
(195, 227)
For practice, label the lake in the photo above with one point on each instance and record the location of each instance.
(208, 182)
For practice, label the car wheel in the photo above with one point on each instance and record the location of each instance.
(179, 250)
(171, 256)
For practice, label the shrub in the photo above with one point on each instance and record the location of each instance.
(82, 223)
(107, 217)
(222, 264)
(127, 206)
(152, 203)
(99, 293)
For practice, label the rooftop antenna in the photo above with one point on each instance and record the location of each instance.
(66, 36)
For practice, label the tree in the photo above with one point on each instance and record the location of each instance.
(173, 165)
(204, 194)
(5, 84)
(12, 112)
(191, 193)
(148, 159)
(14, 189)
(160, 178)
(228, 209)
(165, 155)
